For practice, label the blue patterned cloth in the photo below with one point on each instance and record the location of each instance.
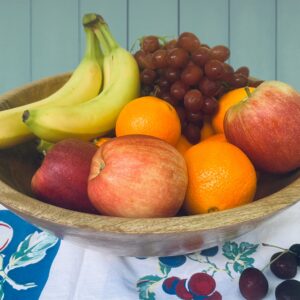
(34, 264)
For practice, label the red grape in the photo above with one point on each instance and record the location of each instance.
(165, 95)
(149, 43)
(163, 83)
(210, 105)
(201, 56)
(196, 118)
(208, 87)
(159, 58)
(193, 100)
(220, 52)
(177, 58)
(170, 44)
(214, 69)
(147, 76)
(188, 41)
(182, 116)
(193, 133)
(191, 75)
(238, 80)
(178, 89)
(243, 70)
(172, 74)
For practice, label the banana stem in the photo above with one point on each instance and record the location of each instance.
(103, 42)
(108, 36)
(92, 49)
(102, 32)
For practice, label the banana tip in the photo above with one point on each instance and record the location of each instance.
(25, 116)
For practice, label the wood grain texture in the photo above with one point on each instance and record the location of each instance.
(124, 236)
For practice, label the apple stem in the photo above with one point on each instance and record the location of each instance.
(248, 91)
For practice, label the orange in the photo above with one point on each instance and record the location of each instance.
(220, 176)
(183, 144)
(207, 130)
(150, 116)
(216, 137)
(225, 102)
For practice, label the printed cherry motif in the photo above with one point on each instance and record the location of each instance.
(201, 284)
(173, 261)
(182, 291)
(169, 285)
(6, 234)
(212, 251)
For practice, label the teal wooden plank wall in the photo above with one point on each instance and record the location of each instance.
(39, 38)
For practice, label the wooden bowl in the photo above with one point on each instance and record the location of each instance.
(124, 236)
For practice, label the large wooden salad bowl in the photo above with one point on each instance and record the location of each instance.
(123, 236)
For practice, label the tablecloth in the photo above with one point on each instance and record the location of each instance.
(34, 264)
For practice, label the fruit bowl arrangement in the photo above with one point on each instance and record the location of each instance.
(75, 161)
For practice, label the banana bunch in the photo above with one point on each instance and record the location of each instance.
(97, 116)
(84, 84)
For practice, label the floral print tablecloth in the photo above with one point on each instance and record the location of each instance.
(34, 264)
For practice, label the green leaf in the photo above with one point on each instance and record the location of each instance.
(230, 250)
(32, 249)
(144, 287)
(164, 268)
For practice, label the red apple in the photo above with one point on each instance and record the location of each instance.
(266, 126)
(61, 179)
(137, 176)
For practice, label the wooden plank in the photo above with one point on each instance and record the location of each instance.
(288, 42)
(14, 43)
(208, 19)
(55, 41)
(154, 17)
(253, 36)
(115, 14)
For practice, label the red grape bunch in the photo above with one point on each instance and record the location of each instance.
(189, 75)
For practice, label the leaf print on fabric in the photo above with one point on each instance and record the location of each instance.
(1, 291)
(145, 287)
(31, 250)
(239, 255)
(164, 268)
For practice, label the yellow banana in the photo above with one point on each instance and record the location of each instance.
(97, 116)
(83, 85)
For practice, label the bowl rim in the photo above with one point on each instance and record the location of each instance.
(38, 210)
